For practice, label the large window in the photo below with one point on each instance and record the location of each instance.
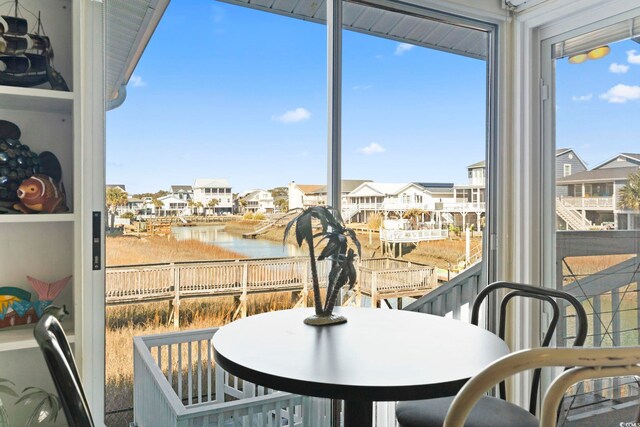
(596, 97)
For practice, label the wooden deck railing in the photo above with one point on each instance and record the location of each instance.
(384, 278)
(378, 278)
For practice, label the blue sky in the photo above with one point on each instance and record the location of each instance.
(598, 102)
(229, 92)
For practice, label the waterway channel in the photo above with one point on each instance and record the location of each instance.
(251, 248)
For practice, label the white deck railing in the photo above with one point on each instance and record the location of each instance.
(453, 298)
(177, 384)
(412, 236)
(587, 202)
(401, 206)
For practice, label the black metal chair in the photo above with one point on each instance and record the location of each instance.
(491, 411)
(57, 353)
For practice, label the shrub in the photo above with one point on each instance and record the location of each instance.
(127, 215)
(375, 221)
(247, 216)
(258, 216)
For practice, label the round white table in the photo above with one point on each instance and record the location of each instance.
(378, 355)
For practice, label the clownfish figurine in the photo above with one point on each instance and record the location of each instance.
(41, 193)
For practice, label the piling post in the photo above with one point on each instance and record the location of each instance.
(176, 297)
(305, 282)
(243, 297)
(374, 290)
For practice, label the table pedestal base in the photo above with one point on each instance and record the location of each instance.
(358, 414)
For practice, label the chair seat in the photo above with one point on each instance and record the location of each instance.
(488, 412)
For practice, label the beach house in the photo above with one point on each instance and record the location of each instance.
(206, 189)
(518, 42)
(257, 201)
(591, 198)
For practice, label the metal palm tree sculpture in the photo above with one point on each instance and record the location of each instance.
(337, 239)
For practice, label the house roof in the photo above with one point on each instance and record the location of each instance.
(129, 27)
(120, 186)
(134, 200)
(177, 188)
(211, 183)
(467, 39)
(559, 152)
(382, 188)
(347, 185)
(596, 175)
(477, 165)
(171, 197)
(309, 188)
(631, 156)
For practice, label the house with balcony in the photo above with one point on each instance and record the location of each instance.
(303, 195)
(183, 192)
(593, 196)
(206, 189)
(518, 40)
(258, 201)
(172, 206)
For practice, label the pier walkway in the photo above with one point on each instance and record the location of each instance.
(378, 279)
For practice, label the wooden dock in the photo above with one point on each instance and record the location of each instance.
(379, 278)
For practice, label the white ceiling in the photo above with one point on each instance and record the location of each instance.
(130, 24)
(405, 28)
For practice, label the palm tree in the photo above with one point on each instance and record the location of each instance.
(115, 197)
(213, 203)
(630, 193)
(282, 205)
(157, 204)
(337, 238)
(198, 206)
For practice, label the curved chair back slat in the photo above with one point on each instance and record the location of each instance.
(543, 294)
(57, 353)
(585, 362)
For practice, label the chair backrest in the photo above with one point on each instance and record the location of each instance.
(587, 363)
(543, 294)
(57, 353)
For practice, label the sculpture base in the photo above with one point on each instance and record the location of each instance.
(325, 320)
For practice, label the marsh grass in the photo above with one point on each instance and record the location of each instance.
(126, 250)
(126, 321)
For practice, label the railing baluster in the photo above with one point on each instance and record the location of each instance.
(199, 371)
(615, 324)
(170, 364)
(180, 395)
(190, 374)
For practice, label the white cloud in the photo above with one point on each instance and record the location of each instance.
(373, 148)
(582, 97)
(632, 57)
(217, 14)
(401, 48)
(378, 57)
(619, 94)
(362, 87)
(618, 68)
(293, 116)
(137, 81)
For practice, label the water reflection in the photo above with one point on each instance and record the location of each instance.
(252, 248)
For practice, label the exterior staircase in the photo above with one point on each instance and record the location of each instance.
(447, 218)
(571, 217)
(349, 213)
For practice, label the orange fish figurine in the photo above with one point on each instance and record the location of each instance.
(41, 193)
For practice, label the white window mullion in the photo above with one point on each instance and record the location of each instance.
(334, 99)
